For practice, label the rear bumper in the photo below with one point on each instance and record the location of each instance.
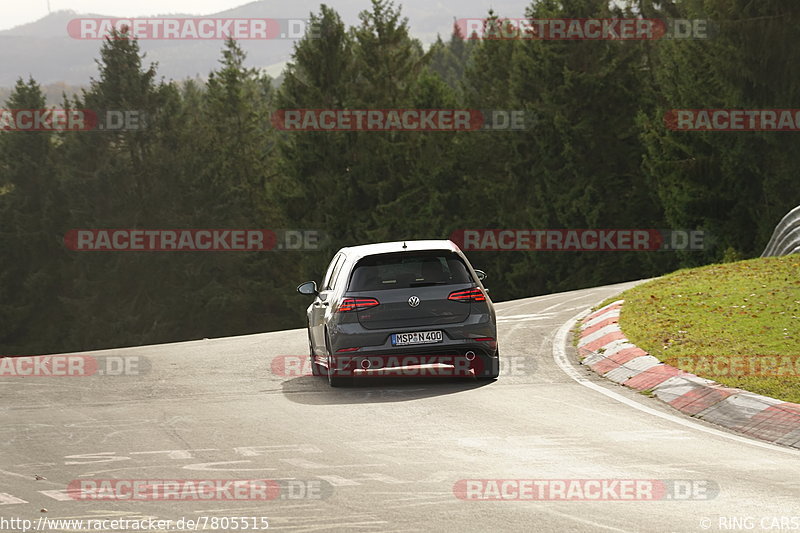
(414, 365)
(457, 338)
(454, 359)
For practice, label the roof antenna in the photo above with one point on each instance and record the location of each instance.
(404, 245)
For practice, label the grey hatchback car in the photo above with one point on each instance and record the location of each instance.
(401, 305)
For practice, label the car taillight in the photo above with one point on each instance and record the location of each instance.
(490, 341)
(356, 304)
(467, 295)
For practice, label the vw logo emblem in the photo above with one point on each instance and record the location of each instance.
(413, 301)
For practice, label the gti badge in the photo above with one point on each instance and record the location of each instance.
(413, 301)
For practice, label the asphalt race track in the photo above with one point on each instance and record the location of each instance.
(389, 454)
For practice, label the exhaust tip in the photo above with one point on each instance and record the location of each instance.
(470, 355)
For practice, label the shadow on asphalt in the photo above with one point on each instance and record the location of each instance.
(314, 390)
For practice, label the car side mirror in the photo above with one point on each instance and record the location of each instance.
(309, 288)
(481, 274)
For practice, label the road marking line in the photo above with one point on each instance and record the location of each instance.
(529, 316)
(62, 495)
(6, 472)
(8, 499)
(256, 451)
(338, 481)
(176, 454)
(519, 320)
(586, 521)
(97, 472)
(210, 466)
(559, 304)
(304, 463)
(386, 479)
(505, 306)
(560, 357)
(253, 510)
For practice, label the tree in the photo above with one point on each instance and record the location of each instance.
(734, 185)
(120, 179)
(31, 233)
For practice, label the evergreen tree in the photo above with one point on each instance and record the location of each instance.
(119, 179)
(31, 234)
(735, 185)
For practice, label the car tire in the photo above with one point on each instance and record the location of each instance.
(489, 368)
(316, 369)
(335, 376)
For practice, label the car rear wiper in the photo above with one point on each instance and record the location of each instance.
(426, 283)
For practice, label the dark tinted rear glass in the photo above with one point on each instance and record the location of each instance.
(408, 269)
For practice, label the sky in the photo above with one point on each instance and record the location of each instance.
(14, 12)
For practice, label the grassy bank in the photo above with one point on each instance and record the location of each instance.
(736, 323)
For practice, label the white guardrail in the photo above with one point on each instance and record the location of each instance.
(785, 239)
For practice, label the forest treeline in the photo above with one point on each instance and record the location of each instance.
(599, 156)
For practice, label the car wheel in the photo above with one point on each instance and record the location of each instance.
(489, 367)
(316, 370)
(336, 378)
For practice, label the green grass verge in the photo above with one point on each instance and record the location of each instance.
(607, 301)
(736, 323)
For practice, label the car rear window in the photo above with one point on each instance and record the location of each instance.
(408, 269)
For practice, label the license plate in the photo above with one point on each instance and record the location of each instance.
(417, 337)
